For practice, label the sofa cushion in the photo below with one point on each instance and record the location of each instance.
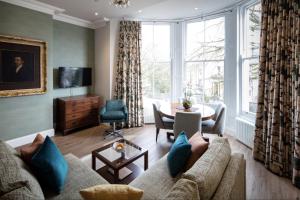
(21, 193)
(29, 150)
(199, 146)
(155, 180)
(80, 176)
(111, 192)
(183, 189)
(179, 154)
(50, 165)
(207, 172)
(15, 175)
(233, 183)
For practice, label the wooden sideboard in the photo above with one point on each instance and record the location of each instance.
(77, 112)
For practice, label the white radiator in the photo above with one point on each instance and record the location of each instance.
(245, 131)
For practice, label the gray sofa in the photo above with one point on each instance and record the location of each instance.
(218, 174)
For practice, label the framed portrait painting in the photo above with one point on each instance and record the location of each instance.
(23, 66)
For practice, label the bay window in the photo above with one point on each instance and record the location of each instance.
(204, 59)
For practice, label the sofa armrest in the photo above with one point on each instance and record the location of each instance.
(233, 183)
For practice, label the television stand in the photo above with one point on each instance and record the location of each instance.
(77, 112)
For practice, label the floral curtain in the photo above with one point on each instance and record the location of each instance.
(277, 132)
(129, 77)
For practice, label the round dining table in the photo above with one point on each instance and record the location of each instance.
(206, 111)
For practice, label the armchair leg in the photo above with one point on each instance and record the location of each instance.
(157, 132)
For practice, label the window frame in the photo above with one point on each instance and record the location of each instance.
(184, 53)
(243, 57)
(171, 56)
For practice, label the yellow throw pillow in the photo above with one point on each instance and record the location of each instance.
(111, 192)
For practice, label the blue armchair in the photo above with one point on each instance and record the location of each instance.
(114, 111)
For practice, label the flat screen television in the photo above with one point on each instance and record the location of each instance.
(74, 77)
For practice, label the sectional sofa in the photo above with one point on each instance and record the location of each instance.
(218, 174)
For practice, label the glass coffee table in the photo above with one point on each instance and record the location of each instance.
(119, 167)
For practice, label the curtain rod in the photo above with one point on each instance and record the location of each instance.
(223, 11)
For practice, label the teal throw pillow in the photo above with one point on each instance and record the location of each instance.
(179, 154)
(50, 166)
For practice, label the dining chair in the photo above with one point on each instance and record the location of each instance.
(216, 125)
(162, 121)
(188, 122)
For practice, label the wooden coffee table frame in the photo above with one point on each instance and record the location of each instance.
(120, 163)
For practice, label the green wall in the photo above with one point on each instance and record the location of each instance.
(68, 45)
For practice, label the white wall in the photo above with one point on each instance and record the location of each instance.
(106, 43)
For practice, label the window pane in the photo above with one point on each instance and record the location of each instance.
(214, 82)
(205, 40)
(194, 40)
(156, 67)
(161, 43)
(253, 30)
(253, 85)
(214, 39)
(194, 72)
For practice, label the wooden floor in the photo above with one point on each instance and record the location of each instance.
(261, 184)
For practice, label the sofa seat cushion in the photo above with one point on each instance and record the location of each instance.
(233, 183)
(113, 115)
(156, 180)
(207, 172)
(80, 176)
(183, 189)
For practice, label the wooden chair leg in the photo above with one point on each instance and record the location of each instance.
(157, 132)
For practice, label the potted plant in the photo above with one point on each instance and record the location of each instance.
(187, 102)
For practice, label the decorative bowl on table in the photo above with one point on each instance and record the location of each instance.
(119, 147)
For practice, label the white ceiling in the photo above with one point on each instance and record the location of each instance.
(151, 9)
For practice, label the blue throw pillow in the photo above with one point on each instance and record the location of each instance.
(50, 166)
(179, 154)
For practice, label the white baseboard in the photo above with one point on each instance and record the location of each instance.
(29, 138)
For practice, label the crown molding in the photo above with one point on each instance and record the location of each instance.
(56, 13)
(36, 5)
(74, 20)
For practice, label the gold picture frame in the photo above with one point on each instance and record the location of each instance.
(23, 66)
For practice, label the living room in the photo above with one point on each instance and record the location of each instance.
(149, 99)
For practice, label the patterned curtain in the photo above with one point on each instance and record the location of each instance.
(129, 77)
(277, 132)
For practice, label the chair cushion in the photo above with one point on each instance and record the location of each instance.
(167, 120)
(111, 192)
(183, 189)
(113, 115)
(208, 171)
(179, 154)
(50, 165)
(199, 146)
(208, 125)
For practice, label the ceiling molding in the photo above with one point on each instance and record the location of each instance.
(57, 13)
(74, 20)
(36, 5)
